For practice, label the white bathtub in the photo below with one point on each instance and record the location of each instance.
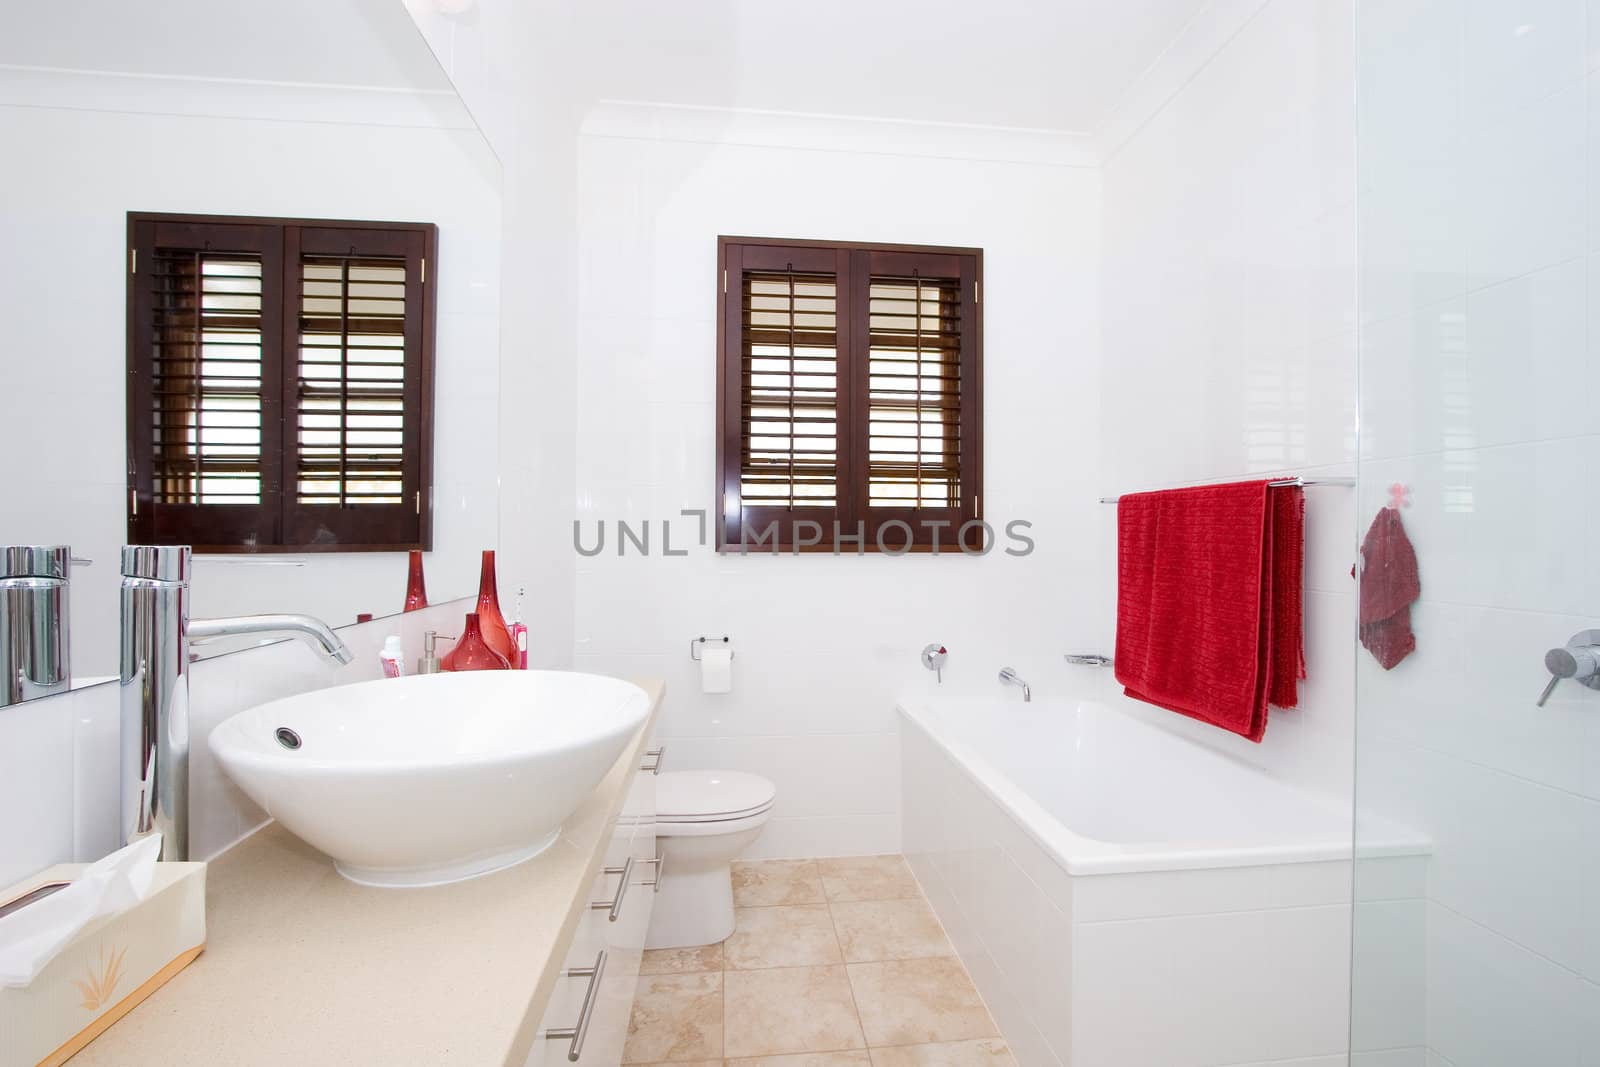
(1124, 897)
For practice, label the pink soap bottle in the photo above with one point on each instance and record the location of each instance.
(519, 636)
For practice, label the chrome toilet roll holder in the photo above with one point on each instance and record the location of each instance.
(696, 644)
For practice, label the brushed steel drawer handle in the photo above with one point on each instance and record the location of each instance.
(577, 1034)
(614, 906)
(656, 756)
(661, 867)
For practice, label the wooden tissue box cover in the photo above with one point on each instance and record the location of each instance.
(106, 970)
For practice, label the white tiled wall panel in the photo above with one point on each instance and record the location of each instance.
(1477, 217)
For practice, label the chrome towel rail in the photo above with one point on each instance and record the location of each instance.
(1304, 482)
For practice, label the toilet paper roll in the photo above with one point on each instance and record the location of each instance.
(716, 669)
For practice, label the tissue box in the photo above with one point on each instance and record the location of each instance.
(104, 972)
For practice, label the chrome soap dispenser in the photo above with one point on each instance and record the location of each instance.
(34, 652)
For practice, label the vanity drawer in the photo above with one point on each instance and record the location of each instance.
(588, 1011)
(592, 1002)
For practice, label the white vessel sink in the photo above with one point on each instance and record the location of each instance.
(435, 778)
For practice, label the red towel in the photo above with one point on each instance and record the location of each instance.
(1209, 601)
(1389, 583)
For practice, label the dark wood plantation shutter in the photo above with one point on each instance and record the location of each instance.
(205, 355)
(280, 381)
(849, 391)
(919, 427)
(786, 409)
(355, 395)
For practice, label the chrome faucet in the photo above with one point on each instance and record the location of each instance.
(1009, 676)
(155, 687)
(35, 656)
(313, 632)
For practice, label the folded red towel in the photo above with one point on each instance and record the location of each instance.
(1209, 601)
(1389, 583)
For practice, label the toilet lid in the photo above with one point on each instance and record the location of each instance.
(711, 796)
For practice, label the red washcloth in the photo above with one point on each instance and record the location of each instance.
(1389, 583)
(1209, 601)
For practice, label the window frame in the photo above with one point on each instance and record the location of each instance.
(854, 264)
(266, 528)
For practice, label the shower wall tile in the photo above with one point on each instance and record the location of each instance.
(1516, 53)
(1491, 1002)
(1389, 980)
(1522, 336)
(1589, 913)
(1526, 187)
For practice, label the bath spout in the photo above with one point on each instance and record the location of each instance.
(1009, 676)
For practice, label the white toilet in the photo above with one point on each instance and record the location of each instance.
(704, 820)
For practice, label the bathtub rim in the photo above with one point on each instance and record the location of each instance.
(1078, 854)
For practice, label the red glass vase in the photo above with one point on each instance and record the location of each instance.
(416, 591)
(472, 652)
(495, 633)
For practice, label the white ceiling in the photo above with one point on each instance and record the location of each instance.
(1046, 64)
(370, 43)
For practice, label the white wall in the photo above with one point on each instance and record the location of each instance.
(1228, 321)
(822, 642)
(100, 145)
(1479, 211)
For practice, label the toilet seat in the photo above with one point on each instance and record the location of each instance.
(706, 802)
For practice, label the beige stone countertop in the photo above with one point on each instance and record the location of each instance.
(304, 968)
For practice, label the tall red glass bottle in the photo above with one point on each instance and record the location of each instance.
(472, 653)
(416, 590)
(495, 633)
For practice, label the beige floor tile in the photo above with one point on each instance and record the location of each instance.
(769, 882)
(872, 930)
(682, 960)
(912, 1002)
(857, 1058)
(987, 1052)
(800, 935)
(791, 1009)
(867, 878)
(675, 1017)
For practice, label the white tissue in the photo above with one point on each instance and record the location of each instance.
(32, 936)
(716, 669)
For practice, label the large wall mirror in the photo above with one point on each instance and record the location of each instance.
(284, 395)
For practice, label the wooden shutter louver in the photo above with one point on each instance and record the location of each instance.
(280, 382)
(849, 393)
(790, 450)
(352, 361)
(914, 393)
(206, 377)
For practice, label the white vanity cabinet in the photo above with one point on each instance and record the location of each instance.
(587, 1016)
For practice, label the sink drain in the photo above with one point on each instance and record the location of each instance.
(288, 738)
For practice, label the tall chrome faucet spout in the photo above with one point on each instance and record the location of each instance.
(156, 630)
(313, 632)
